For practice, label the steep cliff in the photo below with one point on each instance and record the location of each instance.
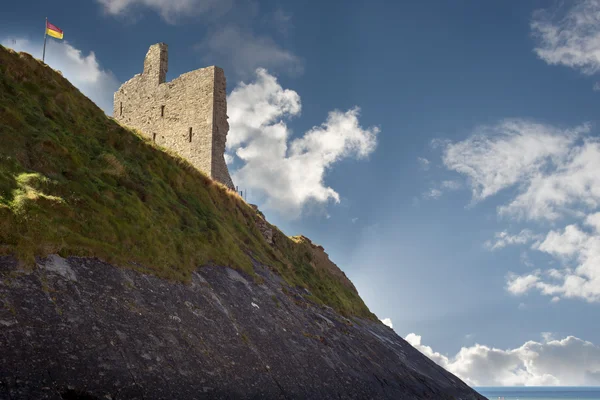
(127, 273)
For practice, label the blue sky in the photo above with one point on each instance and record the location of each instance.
(445, 154)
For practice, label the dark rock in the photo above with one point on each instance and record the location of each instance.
(79, 328)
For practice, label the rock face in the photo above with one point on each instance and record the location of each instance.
(266, 230)
(79, 328)
(187, 115)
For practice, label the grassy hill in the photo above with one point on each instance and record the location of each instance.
(75, 182)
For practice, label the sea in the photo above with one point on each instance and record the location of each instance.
(540, 393)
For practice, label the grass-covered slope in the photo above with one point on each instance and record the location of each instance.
(75, 182)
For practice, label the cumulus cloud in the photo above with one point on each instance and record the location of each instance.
(569, 37)
(570, 244)
(567, 362)
(83, 71)
(521, 284)
(388, 322)
(170, 10)
(244, 51)
(415, 341)
(554, 173)
(503, 239)
(288, 172)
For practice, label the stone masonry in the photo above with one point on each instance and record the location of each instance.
(187, 115)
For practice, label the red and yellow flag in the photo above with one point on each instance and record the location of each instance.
(53, 31)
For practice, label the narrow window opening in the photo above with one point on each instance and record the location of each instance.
(162, 111)
(121, 109)
(154, 137)
(190, 135)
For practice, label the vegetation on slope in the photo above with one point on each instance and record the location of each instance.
(75, 182)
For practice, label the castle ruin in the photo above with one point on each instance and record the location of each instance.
(187, 115)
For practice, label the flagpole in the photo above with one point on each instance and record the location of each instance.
(45, 34)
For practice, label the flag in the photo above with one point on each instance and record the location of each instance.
(53, 31)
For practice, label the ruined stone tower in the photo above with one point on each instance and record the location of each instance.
(187, 114)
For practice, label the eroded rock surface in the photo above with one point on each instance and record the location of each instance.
(79, 328)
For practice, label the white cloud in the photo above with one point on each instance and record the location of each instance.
(571, 188)
(242, 52)
(564, 244)
(570, 38)
(521, 284)
(571, 244)
(566, 362)
(83, 71)
(170, 10)
(499, 156)
(593, 220)
(388, 322)
(415, 341)
(503, 239)
(423, 163)
(289, 173)
(555, 176)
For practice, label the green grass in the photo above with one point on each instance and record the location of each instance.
(75, 182)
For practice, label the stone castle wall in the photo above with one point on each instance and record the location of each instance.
(219, 169)
(187, 115)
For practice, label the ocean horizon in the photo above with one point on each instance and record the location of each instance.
(540, 392)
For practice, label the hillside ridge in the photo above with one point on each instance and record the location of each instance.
(125, 273)
(75, 182)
